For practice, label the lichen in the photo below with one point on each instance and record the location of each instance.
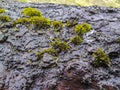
(76, 40)
(101, 58)
(4, 18)
(31, 12)
(57, 25)
(80, 29)
(60, 45)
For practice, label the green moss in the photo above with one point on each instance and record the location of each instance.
(15, 29)
(118, 40)
(50, 51)
(101, 58)
(60, 46)
(2, 10)
(4, 18)
(21, 21)
(40, 22)
(80, 29)
(57, 25)
(76, 40)
(36, 21)
(31, 12)
(71, 23)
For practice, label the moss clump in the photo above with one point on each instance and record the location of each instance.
(21, 21)
(50, 51)
(80, 29)
(71, 23)
(101, 59)
(118, 40)
(31, 12)
(60, 46)
(36, 21)
(39, 22)
(57, 25)
(4, 18)
(2, 10)
(76, 40)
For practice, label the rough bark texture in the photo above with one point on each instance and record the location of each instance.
(19, 69)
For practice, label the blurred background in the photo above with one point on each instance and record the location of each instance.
(110, 3)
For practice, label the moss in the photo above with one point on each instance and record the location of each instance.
(60, 46)
(80, 29)
(36, 21)
(4, 18)
(118, 40)
(76, 40)
(40, 22)
(2, 10)
(15, 29)
(71, 23)
(31, 12)
(50, 51)
(101, 58)
(57, 25)
(21, 21)
(55, 58)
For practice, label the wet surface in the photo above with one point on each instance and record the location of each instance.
(72, 70)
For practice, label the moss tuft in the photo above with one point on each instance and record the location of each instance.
(76, 40)
(4, 18)
(57, 25)
(71, 23)
(50, 51)
(40, 22)
(31, 12)
(21, 21)
(36, 21)
(60, 46)
(101, 58)
(80, 29)
(2, 10)
(118, 40)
